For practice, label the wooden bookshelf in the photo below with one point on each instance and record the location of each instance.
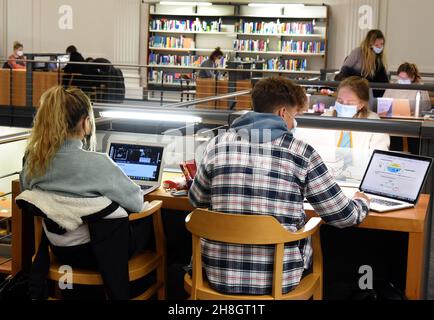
(172, 23)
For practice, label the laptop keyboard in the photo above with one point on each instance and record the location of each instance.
(383, 202)
(145, 187)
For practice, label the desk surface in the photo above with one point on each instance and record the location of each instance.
(406, 220)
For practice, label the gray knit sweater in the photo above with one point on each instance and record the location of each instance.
(79, 173)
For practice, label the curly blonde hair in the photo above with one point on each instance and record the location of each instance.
(57, 118)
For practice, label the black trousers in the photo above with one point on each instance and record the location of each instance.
(106, 253)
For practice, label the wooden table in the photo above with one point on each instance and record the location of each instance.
(412, 221)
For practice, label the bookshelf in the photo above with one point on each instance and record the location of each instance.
(291, 40)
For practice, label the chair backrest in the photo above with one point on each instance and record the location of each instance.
(247, 229)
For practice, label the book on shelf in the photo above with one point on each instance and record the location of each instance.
(275, 27)
(158, 77)
(172, 42)
(251, 45)
(182, 60)
(302, 46)
(286, 64)
(176, 60)
(187, 25)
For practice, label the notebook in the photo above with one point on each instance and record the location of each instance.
(141, 162)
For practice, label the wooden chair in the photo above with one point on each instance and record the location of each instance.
(253, 230)
(139, 266)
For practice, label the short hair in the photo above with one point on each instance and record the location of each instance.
(17, 45)
(412, 70)
(216, 53)
(71, 49)
(269, 94)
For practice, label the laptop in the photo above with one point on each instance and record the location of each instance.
(394, 180)
(141, 162)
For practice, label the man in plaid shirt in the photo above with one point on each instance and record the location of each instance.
(258, 167)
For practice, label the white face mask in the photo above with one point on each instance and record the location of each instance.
(20, 53)
(345, 111)
(378, 50)
(294, 126)
(404, 81)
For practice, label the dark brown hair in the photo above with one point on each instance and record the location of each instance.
(412, 70)
(269, 94)
(71, 49)
(216, 53)
(360, 87)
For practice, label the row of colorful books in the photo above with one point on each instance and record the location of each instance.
(176, 60)
(251, 45)
(286, 64)
(302, 46)
(186, 25)
(275, 27)
(166, 77)
(172, 42)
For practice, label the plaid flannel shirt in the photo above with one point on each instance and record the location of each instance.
(238, 177)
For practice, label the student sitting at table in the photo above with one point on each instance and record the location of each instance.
(408, 73)
(258, 167)
(352, 102)
(60, 160)
(17, 60)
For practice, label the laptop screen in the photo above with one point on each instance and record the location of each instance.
(139, 162)
(395, 175)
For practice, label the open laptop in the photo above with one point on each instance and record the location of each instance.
(394, 180)
(141, 162)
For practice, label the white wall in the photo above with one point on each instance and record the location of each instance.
(11, 156)
(101, 28)
(409, 29)
(111, 28)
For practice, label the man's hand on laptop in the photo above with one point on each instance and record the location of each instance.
(363, 196)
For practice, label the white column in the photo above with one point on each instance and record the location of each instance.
(126, 31)
(356, 29)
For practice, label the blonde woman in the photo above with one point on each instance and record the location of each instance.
(367, 61)
(60, 159)
(352, 102)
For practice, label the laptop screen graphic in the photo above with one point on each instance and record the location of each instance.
(139, 162)
(396, 177)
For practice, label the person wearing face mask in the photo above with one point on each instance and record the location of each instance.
(258, 167)
(352, 102)
(408, 73)
(60, 160)
(367, 61)
(17, 60)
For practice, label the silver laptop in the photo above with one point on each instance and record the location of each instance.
(394, 180)
(142, 162)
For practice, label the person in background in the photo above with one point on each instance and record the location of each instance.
(352, 102)
(367, 61)
(408, 73)
(75, 73)
(216, 55)
(17, 60)
(232, 180)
